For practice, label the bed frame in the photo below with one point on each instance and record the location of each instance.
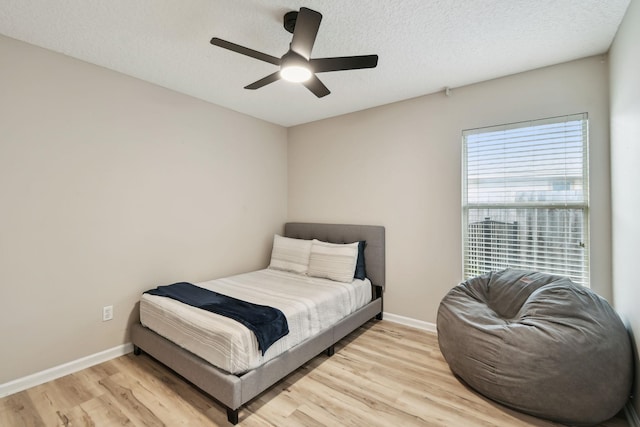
(232, 390)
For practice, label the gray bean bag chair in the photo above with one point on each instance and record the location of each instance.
(539, 344)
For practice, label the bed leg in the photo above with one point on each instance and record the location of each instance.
(232, 416)
(136, 350)
(331, 350)
(378, 292)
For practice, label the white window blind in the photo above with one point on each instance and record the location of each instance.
(525, 198)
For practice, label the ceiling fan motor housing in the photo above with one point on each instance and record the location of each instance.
(290, 20)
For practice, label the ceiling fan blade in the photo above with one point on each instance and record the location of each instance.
(245, 51)
(316, 86)
(321, 65)
(264, 81)
(305, 31)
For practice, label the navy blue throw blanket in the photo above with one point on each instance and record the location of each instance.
(268, 323)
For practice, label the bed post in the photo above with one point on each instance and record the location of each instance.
(331, 350)
(232, 416)
(378, 292)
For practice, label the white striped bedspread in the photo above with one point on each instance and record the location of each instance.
(310, 305)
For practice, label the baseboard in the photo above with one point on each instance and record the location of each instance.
(408, 321)
(631, 415)
(51, 374)
(47, 375)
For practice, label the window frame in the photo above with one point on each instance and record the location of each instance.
(565, 205)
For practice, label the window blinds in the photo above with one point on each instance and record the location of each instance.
(525, 197)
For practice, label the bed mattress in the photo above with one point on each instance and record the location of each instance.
(310, 305)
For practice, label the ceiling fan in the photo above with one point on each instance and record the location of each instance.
(297, 65)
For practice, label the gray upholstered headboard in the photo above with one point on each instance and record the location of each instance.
(374, 253)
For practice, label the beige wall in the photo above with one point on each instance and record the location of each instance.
(110, 186)
(399, 165)
(625, 174)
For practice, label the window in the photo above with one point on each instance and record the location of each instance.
(525, 198)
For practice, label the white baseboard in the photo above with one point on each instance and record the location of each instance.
(47, 375)
(408, 321)
(631, 415)
(51, 374)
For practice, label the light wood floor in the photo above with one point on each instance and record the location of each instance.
(384, 374)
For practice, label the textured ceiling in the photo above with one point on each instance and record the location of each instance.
(423, 45)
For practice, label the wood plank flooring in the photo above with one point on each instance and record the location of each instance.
(384, 374)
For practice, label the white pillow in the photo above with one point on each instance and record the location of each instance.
(333, 261)
(290, 254)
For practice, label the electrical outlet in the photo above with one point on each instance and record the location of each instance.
(107, 313)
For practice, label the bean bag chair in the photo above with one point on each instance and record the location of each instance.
(539, 344)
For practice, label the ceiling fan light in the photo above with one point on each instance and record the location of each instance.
(295, 73)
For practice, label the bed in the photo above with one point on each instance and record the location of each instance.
(234, 384)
